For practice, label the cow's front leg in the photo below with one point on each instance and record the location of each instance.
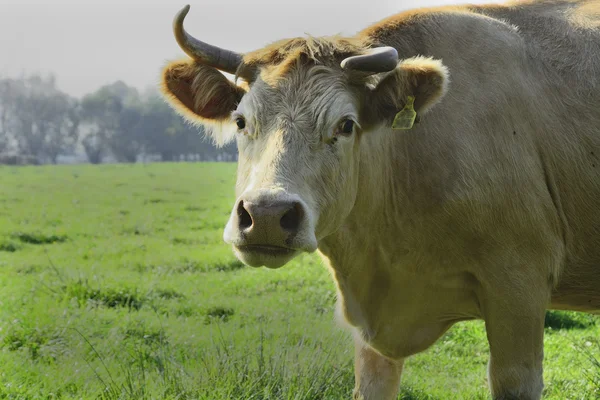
(515, 330)
(377, 377)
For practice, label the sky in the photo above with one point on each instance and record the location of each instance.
(90, 43)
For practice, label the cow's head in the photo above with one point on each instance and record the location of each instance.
(298, 120)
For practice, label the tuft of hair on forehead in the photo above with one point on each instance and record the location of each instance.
(278, 58)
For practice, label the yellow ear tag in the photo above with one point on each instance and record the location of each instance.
(405, 119)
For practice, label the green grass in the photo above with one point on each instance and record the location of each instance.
(115, 284)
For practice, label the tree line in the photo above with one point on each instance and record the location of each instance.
(41, 124)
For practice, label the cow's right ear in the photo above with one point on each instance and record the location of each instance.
(202, 95)
(423, 79)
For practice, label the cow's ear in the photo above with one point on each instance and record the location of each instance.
(424, 79)
(202, 95)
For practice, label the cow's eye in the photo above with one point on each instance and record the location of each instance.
(240, 122)
(346, 127)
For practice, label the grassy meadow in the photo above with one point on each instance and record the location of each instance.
(115, 284)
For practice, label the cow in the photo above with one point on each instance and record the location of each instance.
(444, 162)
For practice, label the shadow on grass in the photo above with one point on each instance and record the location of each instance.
(568, 320)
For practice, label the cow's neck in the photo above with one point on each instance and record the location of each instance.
(381, 205)
(366, 254)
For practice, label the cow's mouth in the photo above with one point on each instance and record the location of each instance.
(257, 255)
(266, 249)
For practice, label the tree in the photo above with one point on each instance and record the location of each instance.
(41, 120)
(113, 113)
(165, 133)
(93, 145)
(156, 128)
(5, 109)
(62, 127)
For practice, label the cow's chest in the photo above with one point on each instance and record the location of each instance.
(403, 315)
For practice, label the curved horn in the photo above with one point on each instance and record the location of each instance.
(379, 59)
(222, 59)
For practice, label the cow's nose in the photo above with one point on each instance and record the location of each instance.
(282, 217)
(270, 227)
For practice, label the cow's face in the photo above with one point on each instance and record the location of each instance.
(298, 143)
(298, 134)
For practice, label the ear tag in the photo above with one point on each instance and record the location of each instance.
(405, 119)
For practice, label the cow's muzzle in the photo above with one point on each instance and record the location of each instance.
(269, 228)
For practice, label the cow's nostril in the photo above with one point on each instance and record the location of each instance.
(291, 219)
(244, 218)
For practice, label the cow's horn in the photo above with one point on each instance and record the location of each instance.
(222, 59)
(379, 59)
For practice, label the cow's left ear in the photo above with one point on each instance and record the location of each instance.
(425, 79)
(202, 95)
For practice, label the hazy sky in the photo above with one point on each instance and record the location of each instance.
(88, 43)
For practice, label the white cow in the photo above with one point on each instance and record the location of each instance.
(445, 162)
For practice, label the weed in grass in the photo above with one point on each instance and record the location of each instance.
(409, 393)
(40, 343)
(154, 201)
(38, 238)
(228, 266)
(218, 314)
(193, 208)
(184, 241)
(149, 337)
(186, 311)
(136, 231)
(166, 294)
(591, 349)
(189, 266)
(107, 297)
(29, 269)
(194, 266)
(9, 246)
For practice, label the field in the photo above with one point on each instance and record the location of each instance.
(115, 284)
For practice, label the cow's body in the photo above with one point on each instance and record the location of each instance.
(509, 160)
(488, 208)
